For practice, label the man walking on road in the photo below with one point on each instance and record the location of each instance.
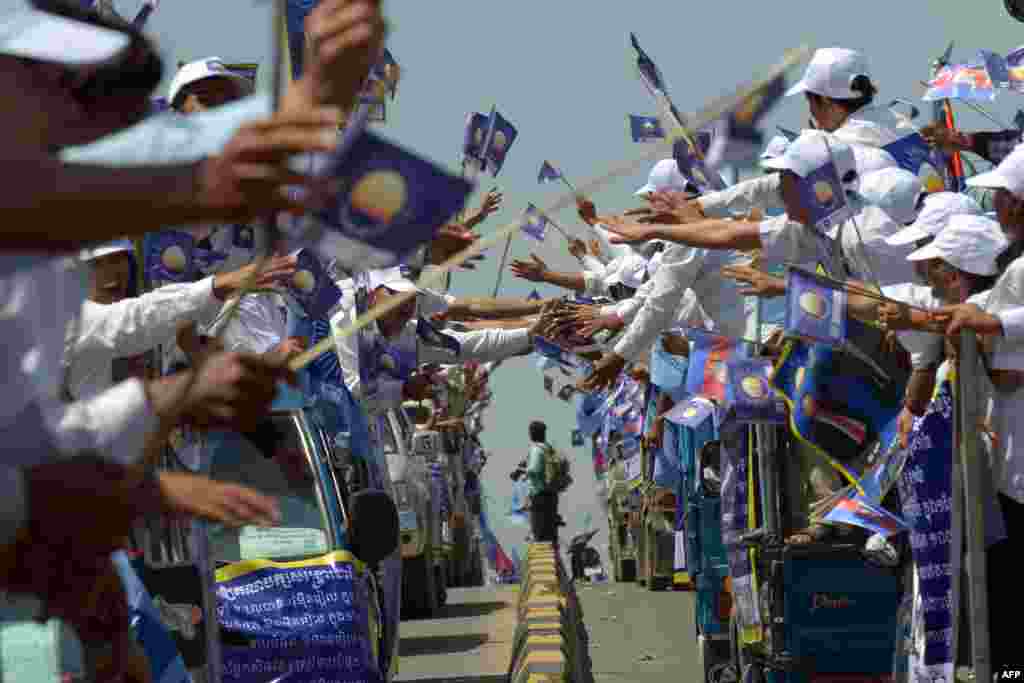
(543, 499)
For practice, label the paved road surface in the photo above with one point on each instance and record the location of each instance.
(469, 641)
(635, 636)
(640, 636)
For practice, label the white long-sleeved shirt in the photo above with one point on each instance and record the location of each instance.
(130, 327)
(259, 325)
(682, 268)
(600, 281)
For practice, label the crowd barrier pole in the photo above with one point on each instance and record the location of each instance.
(973, 468)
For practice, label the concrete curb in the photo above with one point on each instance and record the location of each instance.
(551, 641)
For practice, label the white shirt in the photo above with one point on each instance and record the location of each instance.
(599, 282)
(259, 325)
(130, 327)
(690, 314)
(683, 267)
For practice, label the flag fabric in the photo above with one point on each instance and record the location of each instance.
(548, 173)
(823, 194)
(913, 154)
(737, 139)
(386, 71)
(691, 412)
(961, 82)
(815, 308)
(707, 374)
(500, 136)
(749, 397)
(590, 413)
(1015, 66)
(926, 494)
(312, 287)
(694, 169)
(168, 256)
(997, 68)
(207, 261)
(390, 202)
(534, 296)
(650, 74)
(551, 351)
(476, 132)
(534, 224)
(857, 510)
(645, 128)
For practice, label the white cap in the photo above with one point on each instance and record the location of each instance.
(396, 279)
(664, 176)
(895, 191)
(193, 72)
(776, 147)
(831, 73)
(1008, 175)
(968, 243)
(116, 247)
(46, 37)
(933, 216)
(812, 150)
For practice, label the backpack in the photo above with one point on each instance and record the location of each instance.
(556, 471)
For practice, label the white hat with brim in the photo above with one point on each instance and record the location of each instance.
(664, 176)
(969, 243)
(1008, 175)
(46, 37)
(776, 147)
(394, 279)
(895, 191)
(812, 150)
(934, 215)
(831, 73)
(199, 70)
(119, 247)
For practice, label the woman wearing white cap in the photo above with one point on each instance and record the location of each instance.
(839, 91)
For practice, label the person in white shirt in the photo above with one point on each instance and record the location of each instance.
(113, 326)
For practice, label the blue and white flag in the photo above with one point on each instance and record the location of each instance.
(645, 128)
(168, 256)
(476, 133)
(548, 173)
(694, 169)
(737, 139)
(391, 201)
(815, 308)
(500, 136)
(312, 287)
(535, 224)
(823, 195)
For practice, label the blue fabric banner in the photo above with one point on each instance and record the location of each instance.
(303, 621)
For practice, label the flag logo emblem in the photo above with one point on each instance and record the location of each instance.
(689, 412)
(500, 142)
(304, 281)
(812, 303)
(824, 193)
(174, 259)
(754, 387)
(379, 196)
(801, 375)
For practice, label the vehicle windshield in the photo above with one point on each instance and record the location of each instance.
(273, 461)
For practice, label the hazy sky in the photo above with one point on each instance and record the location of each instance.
(563, 73)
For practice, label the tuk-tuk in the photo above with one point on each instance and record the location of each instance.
(331, 539)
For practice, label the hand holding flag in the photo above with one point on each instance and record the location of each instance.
(548, 173)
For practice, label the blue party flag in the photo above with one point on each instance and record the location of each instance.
(1015, 65)
(535, 224)
(645, 128)
(243, 237)
(694, 169)
(390, 202)
(476, 132)
(312, 287)
(815, 308)
(435, 338)
(534, 296)
(823, 195)
(396, 361)
(158, 105)
(548, 173)
(749, 397)
(997, 68)
(168, 256)
(691, 412)
(910, 152)
(650, 74)
(738, 138)
(207, 260)
(551, 351)
(500, 136)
